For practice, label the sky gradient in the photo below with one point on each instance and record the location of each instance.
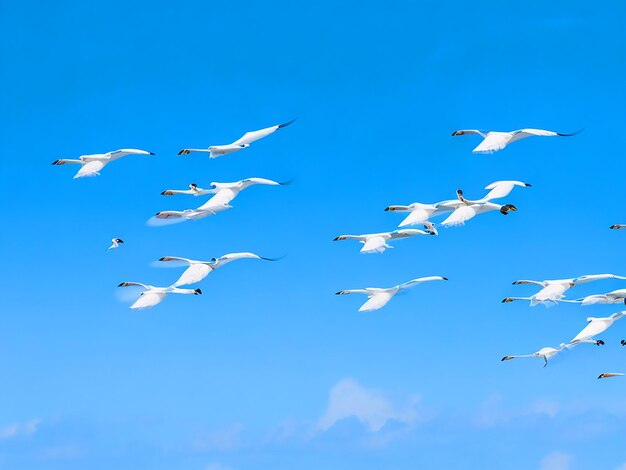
(268, 369)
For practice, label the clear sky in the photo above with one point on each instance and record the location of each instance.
(268, 369)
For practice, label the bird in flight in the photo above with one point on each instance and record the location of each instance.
(92, 164)
(553, 291)
(544, 353)
(193, 190)
(377, 242)
(198, 270)
(243, 142)
(379, 297)
(115, 242)
(595, 327)
(494, 141)
(152, 296)
(224, 193)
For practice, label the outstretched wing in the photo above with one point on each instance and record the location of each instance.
(90, 169)
(148, 299)
(250, 137)
(376, 301)
(419, 280)
(194, 273)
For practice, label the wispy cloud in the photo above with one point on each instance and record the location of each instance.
(27, 428)
(373, 409)
(225, 439)
(556, 461)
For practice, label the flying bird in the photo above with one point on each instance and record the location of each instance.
(92, 164)
(614, 297)
(377, 242)
(421, 213)
(240, 144)
(224, 193)
(466, 209)
(609, 374)
(198, 270)
(494, 141)
(155, 295)
(193, 190)
(553, 291)
(544, 353)
(595, 327)
(379, 297)
(115, 242)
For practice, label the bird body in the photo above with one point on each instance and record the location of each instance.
(155, 295)
(115, 242)
(494, 140)
(379, 297)
(224, 193)
(92, 164)
(544, 353)
(198, 270)
(243, 142)
(377, 242)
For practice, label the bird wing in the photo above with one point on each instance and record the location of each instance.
(250, 137)
(261, 181)
(374, 244)
(419, 280)
(376, 301)
(128, 284)
(194, 273)
(90, 169)
(460, 215)
(416, 217)
(500, 189)
(523, 133)
(595, 327)
(221, 198)
(595, 277)
(176, 258)
(405, 233)
(234, 256)
(148, 299)
(469, 131)
(493, 142)
(526, 281)
(123, 152)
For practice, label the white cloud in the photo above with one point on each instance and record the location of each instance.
(556, 461)
(621, 467)
(349, 399)
(27, 428)
(224, 439)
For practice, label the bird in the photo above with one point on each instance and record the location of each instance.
(155, 295)
(614, 297)
(224, 193)
(198, 270)
(617, 226)
(377, 242)
(420, 213)
(553, 290)
(466, 209)
(545, 353)
(92, 164)
(610, 374)
(115, 242)
(378, 297)
(595, 327)
(243, 142)
(494, 141)
(193, 190)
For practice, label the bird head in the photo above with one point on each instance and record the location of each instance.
(507, 358)
(507, 300)
(505, 209)
(341, 237)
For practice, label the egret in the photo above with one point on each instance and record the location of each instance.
(553, 290)
(115, 242)
(155, 295)
(378, 297)
(240, 144)
(377, 242)
(224, 193)
(92, 164)
(545, 353)
(494, 141)
(198, 270)
(595, 327)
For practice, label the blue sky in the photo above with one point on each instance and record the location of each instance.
(268, 369)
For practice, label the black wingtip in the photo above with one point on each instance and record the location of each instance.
(623, 342)
(121, 284)
(182, 152)
(198, 291)
(280, 126)
(286, 183)
(528, 185)
(152, 153)
(335, 239)
(387, 209)
(572, 134)
(445, 279)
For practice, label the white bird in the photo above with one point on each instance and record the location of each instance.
(193, 190)
(377, 242)
(466, 209)
(421, 213)
(198, 270)
(595, 327)
(614, 297)
(553, 291)
(545, 353)
(379, 297)
(494, 141)
(240, 144)
(617, 226)
(115, 242)
(224, 193)
(155, 295)
(92, 164)
(610, 374)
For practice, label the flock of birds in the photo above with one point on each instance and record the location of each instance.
(459, 211)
